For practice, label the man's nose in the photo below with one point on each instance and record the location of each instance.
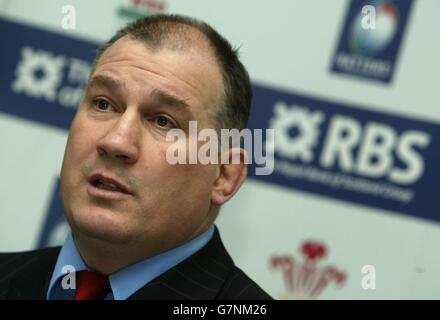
(122, 141)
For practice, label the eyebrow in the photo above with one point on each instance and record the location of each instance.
(158, 95)
(105, 81)
(166, 98)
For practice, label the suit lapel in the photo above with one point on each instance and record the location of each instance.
(199, 277)
(30, 279)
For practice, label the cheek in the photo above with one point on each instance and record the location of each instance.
(195, 178)
(81, 139)
(79, 146)
(174, 188)
(187, 173)
(191, 185)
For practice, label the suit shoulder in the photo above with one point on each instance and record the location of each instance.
(24, 274)
(10, 260)
(239, 286)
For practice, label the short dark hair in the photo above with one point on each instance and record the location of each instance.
(172, 30)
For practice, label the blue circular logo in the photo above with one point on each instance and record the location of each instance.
(371, 34)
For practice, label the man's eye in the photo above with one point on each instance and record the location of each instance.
(164, 122)
(102, 104)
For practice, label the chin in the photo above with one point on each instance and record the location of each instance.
(101, 224)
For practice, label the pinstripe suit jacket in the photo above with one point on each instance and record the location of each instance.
(209, 274)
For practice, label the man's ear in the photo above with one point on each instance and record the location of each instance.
(231, 176)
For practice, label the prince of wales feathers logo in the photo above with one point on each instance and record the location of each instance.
(305, 279)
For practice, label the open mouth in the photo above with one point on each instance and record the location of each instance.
(109, 184)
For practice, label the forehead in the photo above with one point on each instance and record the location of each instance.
(190, 73)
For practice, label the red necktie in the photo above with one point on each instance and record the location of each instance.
(91, 286)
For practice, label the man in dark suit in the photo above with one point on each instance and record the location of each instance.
(143, 227)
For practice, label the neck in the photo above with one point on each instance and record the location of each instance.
(108, 257)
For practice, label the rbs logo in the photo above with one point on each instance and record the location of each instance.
(372, 150)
